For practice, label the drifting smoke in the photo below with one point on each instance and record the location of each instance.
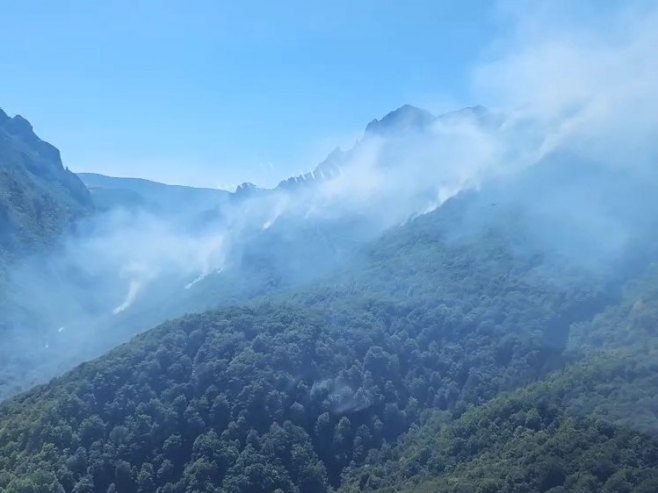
(341, 397)
(575, 97)
(133, 289)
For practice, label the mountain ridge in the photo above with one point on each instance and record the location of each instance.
(39, 198)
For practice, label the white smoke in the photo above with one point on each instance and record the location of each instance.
(550, 85)
(133, 290)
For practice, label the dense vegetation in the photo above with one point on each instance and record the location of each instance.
(590, 428)
(287, 394)
(631, 322)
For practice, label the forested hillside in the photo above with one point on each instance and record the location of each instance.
(588, 428)
(403, 366)
(455, 299)
(289, 391)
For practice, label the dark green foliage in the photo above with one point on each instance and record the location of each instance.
(567, 434)
(589, 428)
(633, 321)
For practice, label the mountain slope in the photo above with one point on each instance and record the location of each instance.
(341, 354)
(111, 192)
(154, 252)
(570, 433)
(38, 197)
(285, 394)
(591, 427)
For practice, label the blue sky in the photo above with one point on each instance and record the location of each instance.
(214, 93)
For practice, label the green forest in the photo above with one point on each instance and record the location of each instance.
(413, 370)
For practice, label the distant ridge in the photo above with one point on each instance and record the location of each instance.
(109, 192)
(400, 122)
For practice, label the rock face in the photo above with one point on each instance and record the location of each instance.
(39, 198)
(404, 118)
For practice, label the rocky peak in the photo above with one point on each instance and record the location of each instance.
(404, 118)
(21, 131)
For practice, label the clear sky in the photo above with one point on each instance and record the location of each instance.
(216, 92)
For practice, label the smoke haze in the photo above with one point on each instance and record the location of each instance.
(568, 146)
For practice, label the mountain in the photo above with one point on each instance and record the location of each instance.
(39, 198)
(405, 118)
(112, 192)
(401, 122)
(425, 311)
(289, 391)
(411, 119)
